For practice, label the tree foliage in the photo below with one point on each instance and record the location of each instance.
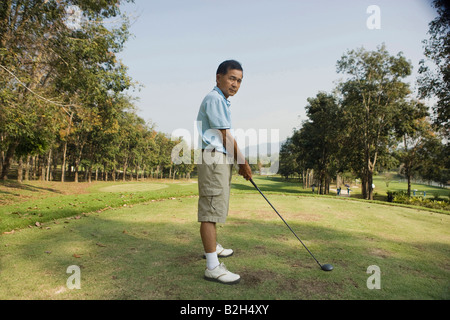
(435, 80)
(372, 122)
(63, 98)
(371, 99)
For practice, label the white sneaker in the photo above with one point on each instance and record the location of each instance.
(221, 252)
(222, 275)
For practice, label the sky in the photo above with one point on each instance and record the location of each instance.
(288, 50)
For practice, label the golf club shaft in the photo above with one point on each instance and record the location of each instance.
(254, 184)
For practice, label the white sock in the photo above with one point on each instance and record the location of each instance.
(212, 261)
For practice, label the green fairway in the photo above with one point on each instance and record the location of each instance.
(397, 185)
(34, 203)
(150, 248)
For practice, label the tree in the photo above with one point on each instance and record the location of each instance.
(288, 159)
(41, 56)
(436, 163)
(435, 82)
(321, 136)
(370, 102)
(89, 76)
(315, 147)
(414, 131)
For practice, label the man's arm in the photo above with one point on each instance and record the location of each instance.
(231, 146)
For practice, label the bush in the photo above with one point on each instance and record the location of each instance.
(433, 203)
(390, 196)
(396, 196)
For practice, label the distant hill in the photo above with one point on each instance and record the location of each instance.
(267, 154)
(263, 150)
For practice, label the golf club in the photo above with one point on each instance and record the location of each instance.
(325, 267)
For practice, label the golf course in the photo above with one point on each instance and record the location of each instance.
(140, 241)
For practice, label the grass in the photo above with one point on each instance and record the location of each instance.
(151, 249)
(32, 203)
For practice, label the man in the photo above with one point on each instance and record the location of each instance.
(215, 169)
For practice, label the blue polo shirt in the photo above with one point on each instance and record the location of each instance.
(214, 114)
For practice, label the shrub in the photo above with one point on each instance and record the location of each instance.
(433, 203)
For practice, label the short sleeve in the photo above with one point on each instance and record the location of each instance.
(218, 114)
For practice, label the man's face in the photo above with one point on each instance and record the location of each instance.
(229, 83)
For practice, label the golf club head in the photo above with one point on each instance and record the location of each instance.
(327, 267)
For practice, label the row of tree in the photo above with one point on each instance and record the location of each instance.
(63, 104)
(63, 94)
(369, 123)
(372, 121)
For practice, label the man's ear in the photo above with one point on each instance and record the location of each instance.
(218, 76)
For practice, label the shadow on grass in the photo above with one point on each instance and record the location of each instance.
(26, 187)
(44, 210)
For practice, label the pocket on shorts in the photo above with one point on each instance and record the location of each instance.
(209, 192)
(209, 183)
(210, 187)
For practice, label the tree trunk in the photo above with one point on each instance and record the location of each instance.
(105, 177)
(125, 166)
(76, 173)
(63, 165)
(408, 174)
(2, 156)
(33, 167)
(78, 162)
(42, 167)
(364, 185)
(49, 163)
(27, 169)
(20, 171)
(369, 183)
(8, 158)
(90, 174)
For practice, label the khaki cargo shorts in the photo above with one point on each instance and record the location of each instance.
(214, 181)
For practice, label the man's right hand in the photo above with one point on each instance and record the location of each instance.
(245, 171)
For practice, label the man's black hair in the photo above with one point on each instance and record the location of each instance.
(228, 65)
